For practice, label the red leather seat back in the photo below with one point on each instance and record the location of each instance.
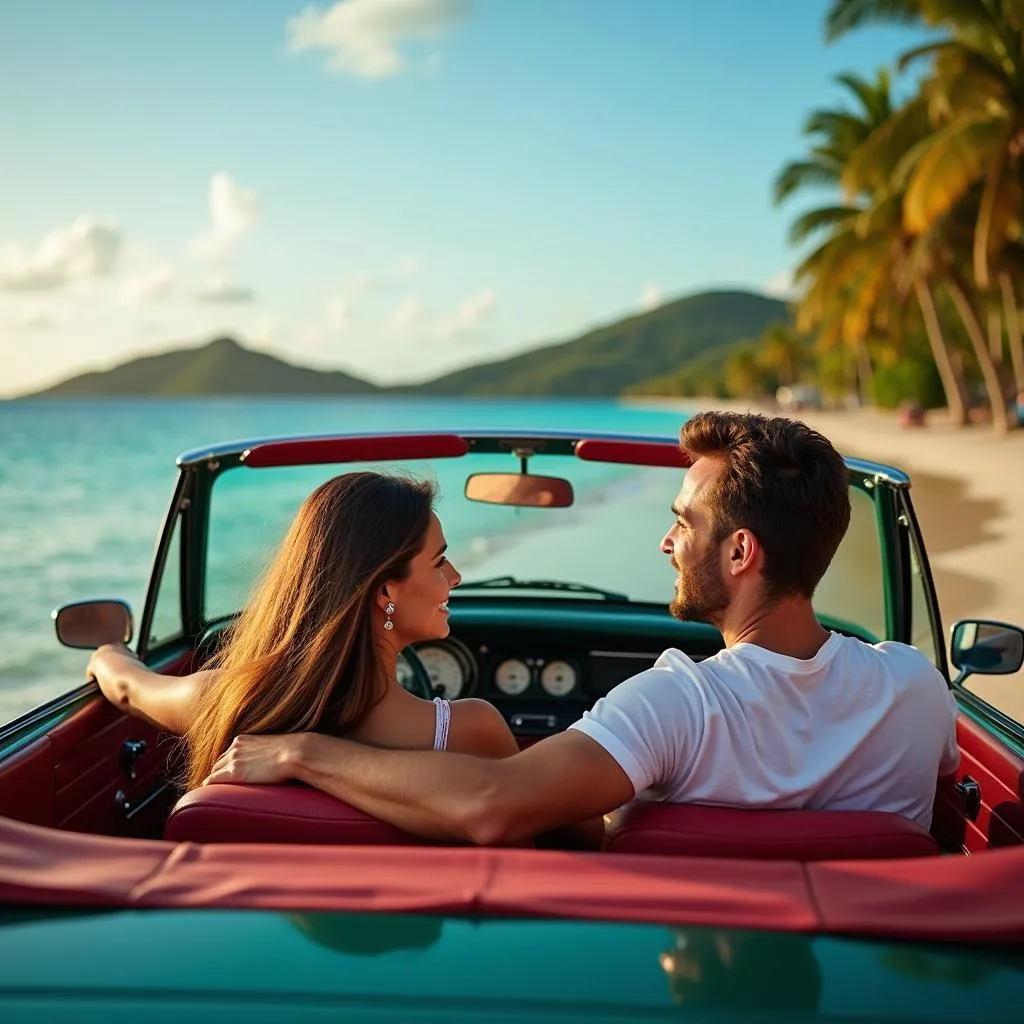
(276, 814)
(695, 831)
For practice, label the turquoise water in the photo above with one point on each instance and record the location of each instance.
(84, 486)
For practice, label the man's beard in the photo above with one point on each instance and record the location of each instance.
(701, 593)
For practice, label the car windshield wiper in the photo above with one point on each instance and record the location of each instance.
(511, 583)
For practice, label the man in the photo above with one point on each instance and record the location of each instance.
(787, 715)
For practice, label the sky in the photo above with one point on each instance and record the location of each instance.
(391, 187)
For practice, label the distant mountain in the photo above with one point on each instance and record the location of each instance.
(223, 367)
(618, 356)
(632, 354)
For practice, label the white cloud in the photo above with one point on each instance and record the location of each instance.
(469, 315)
(234, 212)
(780, 285)
(148, 285)
(339, 315)
(88, 248)
(406, 316)
(264, 331)
(222, 291)
(650, 297)
(362, 37)
(408, 266)
(33, 318)
(359, 283)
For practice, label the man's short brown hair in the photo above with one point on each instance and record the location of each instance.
(782, 481)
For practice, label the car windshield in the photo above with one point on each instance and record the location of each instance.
(606, 543)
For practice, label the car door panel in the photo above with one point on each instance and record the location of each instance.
(26, 784)
(999, 774)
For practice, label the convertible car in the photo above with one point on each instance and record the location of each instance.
(121, 896)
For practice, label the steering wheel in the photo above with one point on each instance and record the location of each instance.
(422, 686)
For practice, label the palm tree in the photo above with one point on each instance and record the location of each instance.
(783, 351)
(850, 279)
(744, 374)
(974, 100)
(835, 135)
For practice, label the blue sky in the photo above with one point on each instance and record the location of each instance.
(393, 187)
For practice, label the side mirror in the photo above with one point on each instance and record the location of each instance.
(980, 647)
(524, 490)
(89, 624)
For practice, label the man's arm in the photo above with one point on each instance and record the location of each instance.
(560, 781)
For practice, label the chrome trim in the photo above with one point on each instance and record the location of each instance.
(887, 474)
(625, 654)
(20, 732)
(641, 654)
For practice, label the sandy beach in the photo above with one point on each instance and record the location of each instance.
(968, 490)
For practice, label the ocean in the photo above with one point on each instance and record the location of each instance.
(84, 487)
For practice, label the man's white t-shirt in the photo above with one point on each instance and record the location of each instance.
(856, 727)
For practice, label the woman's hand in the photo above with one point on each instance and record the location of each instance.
(110, 666)
(259, 760)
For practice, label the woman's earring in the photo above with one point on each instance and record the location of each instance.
(388, 612)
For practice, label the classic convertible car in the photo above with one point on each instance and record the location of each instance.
(122, 896)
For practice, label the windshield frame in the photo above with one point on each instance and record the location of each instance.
(199, 470)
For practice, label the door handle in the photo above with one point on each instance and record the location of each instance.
(970, 797)
(131, 751)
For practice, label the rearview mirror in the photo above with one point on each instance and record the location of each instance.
(521, 489)
(89, 624)
(987, 648)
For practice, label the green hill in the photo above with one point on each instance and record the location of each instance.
(680, 340)
(618, 356)
(223, 367)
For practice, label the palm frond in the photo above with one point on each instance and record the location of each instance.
(883, 216)
(1014, 12)
(955, 159)
(969, 87)
(875, 96)
(801, 174)
(835, 125)
(876, 160)
(846, 15)
(813, 221)
(998, 214)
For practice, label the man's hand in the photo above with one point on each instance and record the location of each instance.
(257, 760)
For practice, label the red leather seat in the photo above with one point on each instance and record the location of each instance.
(276, 814)
(696, 831)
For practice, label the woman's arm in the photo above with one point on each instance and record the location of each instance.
(479, 728)
(164, 701)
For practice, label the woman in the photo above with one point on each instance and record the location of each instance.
(361, 574)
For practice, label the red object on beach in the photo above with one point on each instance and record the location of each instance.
(911, 415)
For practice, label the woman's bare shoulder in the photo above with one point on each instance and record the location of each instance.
(478, 727)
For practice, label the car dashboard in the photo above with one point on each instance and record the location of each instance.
(542, 663)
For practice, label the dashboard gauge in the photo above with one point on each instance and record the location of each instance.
(512, 677)
(404, 674)
(558, 678)
(448, 674)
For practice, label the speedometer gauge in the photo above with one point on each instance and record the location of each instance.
(404, 674)
(446, 672)
(512, 677)
(558, 678)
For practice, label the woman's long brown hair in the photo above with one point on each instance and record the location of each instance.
(304, 654)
